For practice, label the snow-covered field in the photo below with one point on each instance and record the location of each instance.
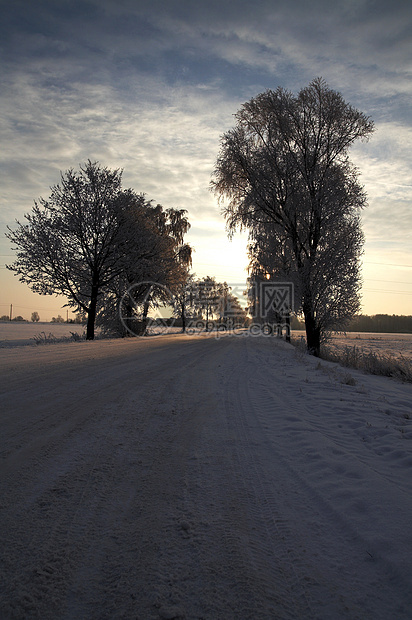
(202, 478)
(397, 345)
(17, 334)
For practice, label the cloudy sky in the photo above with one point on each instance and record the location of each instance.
(151, 86)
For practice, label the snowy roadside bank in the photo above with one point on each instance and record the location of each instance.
(16, 334)
(189, 477)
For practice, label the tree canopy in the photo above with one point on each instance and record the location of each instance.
(90, 239)
(283, 173)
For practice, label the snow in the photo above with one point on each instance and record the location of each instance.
(389, 344)
(18, 333)
(396, 345)
(201, 478)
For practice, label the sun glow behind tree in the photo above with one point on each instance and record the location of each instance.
(284, 174)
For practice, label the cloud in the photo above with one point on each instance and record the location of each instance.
(385, 164)
(166, 140)
(150, 87)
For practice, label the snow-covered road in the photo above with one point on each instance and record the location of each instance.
(201, 478)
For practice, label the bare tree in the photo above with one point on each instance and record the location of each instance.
(332, 276)
(284, 173)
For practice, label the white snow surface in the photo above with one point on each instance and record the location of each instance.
(191, 477)
(17, 333)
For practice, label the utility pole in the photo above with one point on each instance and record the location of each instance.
(11, 311)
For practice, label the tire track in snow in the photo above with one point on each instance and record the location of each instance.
(271, 545)
(139, 537)
(169, 558)
(64, 486)
(334, 583)
(175, 497)
(210, 578)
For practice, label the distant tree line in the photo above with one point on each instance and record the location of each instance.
(383, 323)
(35, 318)
(380, 323)
(209, 301)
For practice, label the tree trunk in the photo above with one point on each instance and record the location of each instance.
(287, 323)
(312, 332)
(91, 315)
(183, 316)
(146, 307)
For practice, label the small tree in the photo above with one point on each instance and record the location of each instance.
(57, 319)
(90, 240)
(232, 311)
(35, 317)
(184, 306)
(79, 318)
(285, 172)
(208, 298)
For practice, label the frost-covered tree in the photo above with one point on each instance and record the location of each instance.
(155, 268)
(90, 236)
(232, 311)
(283, 172)
(209, 298)
(69, 244)
(332, 276)
(183, 300)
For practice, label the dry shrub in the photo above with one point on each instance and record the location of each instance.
(373, 363)
(50, 338)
